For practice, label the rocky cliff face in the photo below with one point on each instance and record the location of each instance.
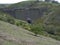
(22, 14)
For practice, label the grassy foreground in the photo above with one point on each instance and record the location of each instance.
(13, 35)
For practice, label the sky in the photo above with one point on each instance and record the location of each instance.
(13, 1)
(10, 1)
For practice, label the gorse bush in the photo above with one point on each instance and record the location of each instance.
(23, 24)
(37, 29)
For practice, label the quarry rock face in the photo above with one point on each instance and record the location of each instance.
(22, 14)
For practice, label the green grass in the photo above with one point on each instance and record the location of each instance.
(9, 43)
(13, 35)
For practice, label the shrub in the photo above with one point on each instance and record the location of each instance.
(7, 18)
(37, 29)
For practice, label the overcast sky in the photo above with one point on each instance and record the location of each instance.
(13, 1)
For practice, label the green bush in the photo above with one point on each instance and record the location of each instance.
(7, 18)
(37, 29)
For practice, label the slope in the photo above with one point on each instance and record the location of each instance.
(23, 4)
(51, 22)
(13, 35)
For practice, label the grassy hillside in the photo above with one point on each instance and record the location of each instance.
(8, 18)
(48, 24)
(51, 22)
(4, 5)
(13, 35)
(23, 4)
(27, 4)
